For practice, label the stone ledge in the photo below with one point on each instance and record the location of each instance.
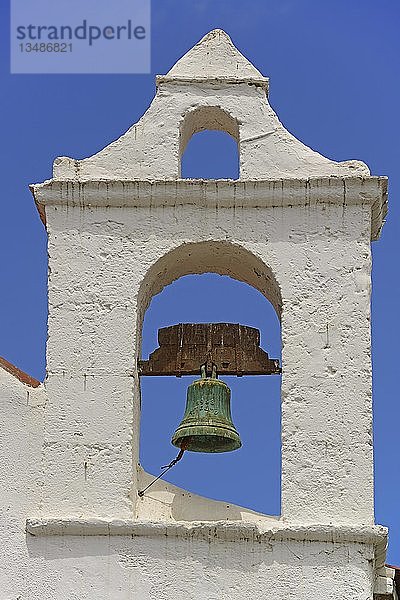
(221, 193)
(215, 530)
(262, 82)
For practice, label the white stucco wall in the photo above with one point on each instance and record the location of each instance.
(103, 272)
(122, 568)
(21, 475)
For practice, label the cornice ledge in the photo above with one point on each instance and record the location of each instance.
(262, 82)
(221, 193)
(208, 530)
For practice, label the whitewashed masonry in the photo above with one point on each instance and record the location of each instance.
(122, 224)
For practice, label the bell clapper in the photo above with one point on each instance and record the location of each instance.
(165, 469)
(177, 459)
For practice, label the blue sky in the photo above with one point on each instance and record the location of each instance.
(334, 81)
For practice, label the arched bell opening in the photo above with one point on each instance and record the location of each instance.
(249, 476)
(209, 145)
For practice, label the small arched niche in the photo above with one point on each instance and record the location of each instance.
(209, 135)
(250, 476)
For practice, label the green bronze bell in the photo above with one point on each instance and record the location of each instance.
(207, 423)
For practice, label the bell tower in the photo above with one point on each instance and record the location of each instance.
(122, 224)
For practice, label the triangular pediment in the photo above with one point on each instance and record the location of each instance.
(213, 86)
(215, 57)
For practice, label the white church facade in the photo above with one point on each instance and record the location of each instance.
(122, 225)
